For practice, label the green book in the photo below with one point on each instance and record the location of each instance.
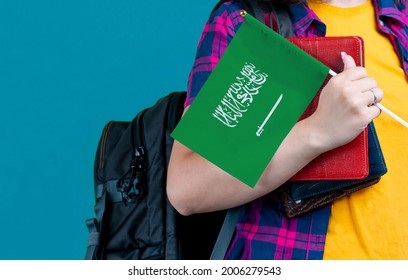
(255, 95)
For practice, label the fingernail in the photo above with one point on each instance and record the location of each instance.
(343, 54)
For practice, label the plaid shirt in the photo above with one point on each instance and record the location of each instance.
(263, 231)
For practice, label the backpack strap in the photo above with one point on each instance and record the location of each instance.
(276, 16)
(94, 225)
(225, 236)
(273, 13)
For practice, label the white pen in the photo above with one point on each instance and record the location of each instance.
(391, 114)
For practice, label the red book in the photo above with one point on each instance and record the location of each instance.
(348, 162)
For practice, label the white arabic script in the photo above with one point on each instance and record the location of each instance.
(240, 95)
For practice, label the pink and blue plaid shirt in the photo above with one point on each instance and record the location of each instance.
(263, 231)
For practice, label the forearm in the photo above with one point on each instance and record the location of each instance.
(195, 185)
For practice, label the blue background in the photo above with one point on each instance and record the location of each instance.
(67, 68)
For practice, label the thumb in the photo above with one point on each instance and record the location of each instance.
(348, 61)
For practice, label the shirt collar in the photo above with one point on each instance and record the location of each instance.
(305, 21)
(387, 8)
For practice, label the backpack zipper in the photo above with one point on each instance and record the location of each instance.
(139, 125)
(103, 145)
(132, 183)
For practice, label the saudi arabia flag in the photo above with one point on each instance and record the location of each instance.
(255, 95)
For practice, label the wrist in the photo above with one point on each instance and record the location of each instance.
(317, 140)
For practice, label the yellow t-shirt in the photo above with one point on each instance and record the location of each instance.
(372, 223)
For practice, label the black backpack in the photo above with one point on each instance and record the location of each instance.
(133, 217)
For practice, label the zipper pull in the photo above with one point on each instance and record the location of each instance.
(132, 182)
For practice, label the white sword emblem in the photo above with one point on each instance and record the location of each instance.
(261, 128)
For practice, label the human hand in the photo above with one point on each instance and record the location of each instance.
(345, 106)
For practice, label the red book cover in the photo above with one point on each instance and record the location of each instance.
(348, 162)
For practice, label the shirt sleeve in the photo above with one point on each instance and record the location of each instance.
(217, 34)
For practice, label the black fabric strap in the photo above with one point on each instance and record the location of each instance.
(226, 233)
(110, 190)
(259, 8)
(279, 11)
(95, 225)
(283, 19)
